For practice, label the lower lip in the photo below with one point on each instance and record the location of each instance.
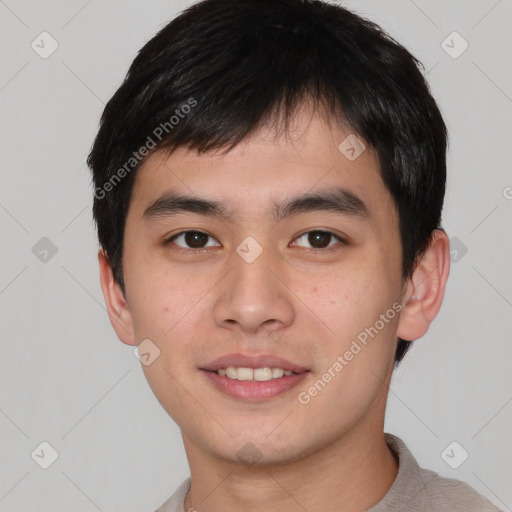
(254, 391)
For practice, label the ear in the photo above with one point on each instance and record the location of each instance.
(117, 307)
(425, 288)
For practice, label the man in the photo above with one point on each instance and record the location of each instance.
(269, 181)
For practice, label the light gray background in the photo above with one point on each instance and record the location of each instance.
(64, 376)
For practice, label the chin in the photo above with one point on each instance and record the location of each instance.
(255, 449)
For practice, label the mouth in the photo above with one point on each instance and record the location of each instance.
(254, 378)
(254, 374)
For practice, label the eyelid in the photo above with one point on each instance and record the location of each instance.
(341, 239)
(171, 238)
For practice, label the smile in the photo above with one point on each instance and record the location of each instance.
(256, 374)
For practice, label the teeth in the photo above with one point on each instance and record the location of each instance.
(232, 372)
(245, 374)
(262, 374)
(277, 372)
(258, 374)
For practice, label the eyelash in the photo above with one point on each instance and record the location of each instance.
(313, 249)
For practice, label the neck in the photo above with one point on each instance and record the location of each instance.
(350, 474)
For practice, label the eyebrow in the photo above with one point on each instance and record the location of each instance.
(338, 200)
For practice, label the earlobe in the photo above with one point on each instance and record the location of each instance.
(425, 289)
(117, 307)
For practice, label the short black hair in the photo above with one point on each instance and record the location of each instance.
(223, 68)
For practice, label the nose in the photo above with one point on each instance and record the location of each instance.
(254, 296)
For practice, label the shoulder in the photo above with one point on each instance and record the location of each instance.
(417, 490)
(448, 494)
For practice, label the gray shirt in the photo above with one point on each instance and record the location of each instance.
(414, 490)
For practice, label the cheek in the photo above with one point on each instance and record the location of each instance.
(357, 353)
(357, 307)
(161, 298)
(351, 298)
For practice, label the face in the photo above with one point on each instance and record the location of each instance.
(266, 279)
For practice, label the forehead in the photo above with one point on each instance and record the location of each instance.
(265, 167)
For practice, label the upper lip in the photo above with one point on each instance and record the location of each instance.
(261, 361)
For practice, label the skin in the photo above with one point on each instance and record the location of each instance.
(306, 306)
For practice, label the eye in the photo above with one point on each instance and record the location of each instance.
(192, 240)
(319, 239)
(195, 240)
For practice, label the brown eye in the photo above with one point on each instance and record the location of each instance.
(193, 240)
(319, 239)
